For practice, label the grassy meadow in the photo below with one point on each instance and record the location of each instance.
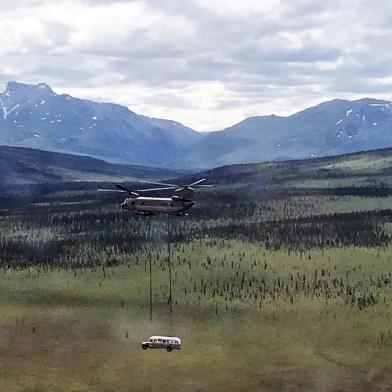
(271, 322)
(276, 286)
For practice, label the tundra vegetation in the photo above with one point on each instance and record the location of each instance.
(281, 280)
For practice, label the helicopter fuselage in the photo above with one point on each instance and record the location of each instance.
(157, 205)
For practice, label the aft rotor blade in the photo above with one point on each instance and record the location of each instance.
(204, 186)
(111, 190)
(156, 189)
(157, 183)
(197, 182)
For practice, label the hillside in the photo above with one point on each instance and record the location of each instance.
(30, 166)
(370, 169)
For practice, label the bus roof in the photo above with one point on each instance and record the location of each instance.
(165, 337)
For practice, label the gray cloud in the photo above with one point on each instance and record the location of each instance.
(207, 64)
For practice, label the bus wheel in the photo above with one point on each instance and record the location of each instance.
(168, 349)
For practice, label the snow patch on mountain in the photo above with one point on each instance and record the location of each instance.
(3, 87)
(4, 109)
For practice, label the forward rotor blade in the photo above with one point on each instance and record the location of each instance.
(155, 189)
(123, 188)
(112, 190)
(204, 186)
(197, 182)
(157, 183)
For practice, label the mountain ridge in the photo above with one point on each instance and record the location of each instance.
(331, 128)
(35, 116)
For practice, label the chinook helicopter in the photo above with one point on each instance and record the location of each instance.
(178, 204)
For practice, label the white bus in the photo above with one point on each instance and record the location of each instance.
(168, 342)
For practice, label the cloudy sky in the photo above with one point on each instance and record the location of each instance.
(207, 64)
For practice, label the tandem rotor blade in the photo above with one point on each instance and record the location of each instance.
(112, 190)
(196, 182)
(155, 189)
(157, 183)
(124, 189)
(120, 189)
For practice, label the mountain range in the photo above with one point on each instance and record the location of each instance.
(331, 128)
(35, 116)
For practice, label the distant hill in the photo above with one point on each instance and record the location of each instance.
(30, 166)
(35, 116)
(331, 128)
(34, 173)
(363, 170)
